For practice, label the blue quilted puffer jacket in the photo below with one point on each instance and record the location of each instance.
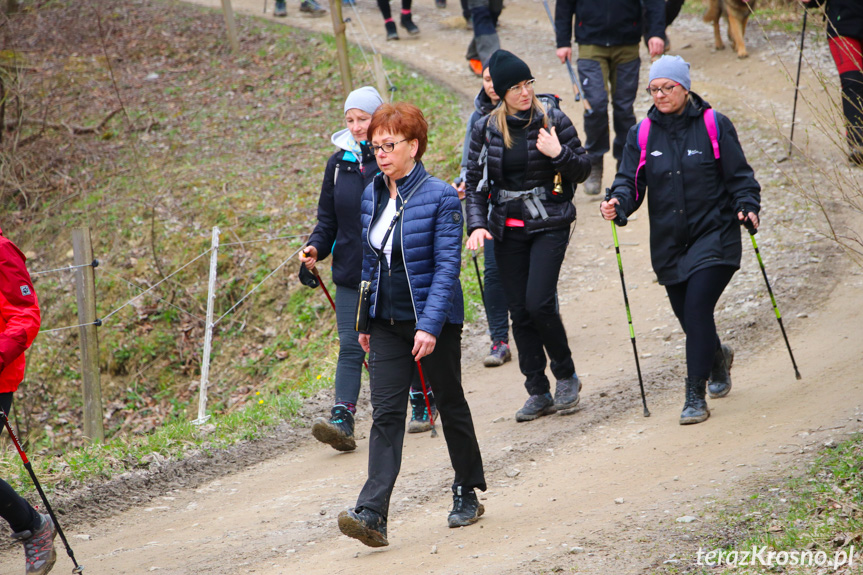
(431, 239)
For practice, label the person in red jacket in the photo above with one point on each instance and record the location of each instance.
(19, 324)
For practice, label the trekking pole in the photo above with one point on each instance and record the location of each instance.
(426, 396)
(78, 568)
(332, 303)
(752, 231)
(573, 77)
(796, 90)
(622, 219)
(479, 279)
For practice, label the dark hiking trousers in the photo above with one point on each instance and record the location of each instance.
(13, 508)
(605, 70)
(485, 40)
(351, 355)
(529, 267)
(392, 366)
(693, 302)
(495, 297)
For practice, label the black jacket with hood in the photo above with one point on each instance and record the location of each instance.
(572, 163)
(482, 108)
(608, 22)
(338, 229)
(844, 17)
(693, 199)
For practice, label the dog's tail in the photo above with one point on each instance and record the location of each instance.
(713, 11)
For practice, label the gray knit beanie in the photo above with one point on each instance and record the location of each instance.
(672, 67)
(366, 99)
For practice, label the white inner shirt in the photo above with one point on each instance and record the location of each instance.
(379, 230)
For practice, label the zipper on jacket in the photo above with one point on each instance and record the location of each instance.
(404, 260)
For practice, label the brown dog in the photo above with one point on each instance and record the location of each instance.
(736, 12)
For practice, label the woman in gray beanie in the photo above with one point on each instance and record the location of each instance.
(349, 170)
(701, 189)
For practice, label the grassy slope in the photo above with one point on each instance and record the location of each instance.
(201, 138)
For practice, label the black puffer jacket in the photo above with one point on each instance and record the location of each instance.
(693, 199)
(608, 22)
(572, 163)
(338, 229)
(844, 17)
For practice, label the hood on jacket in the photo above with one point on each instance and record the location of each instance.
(344, 140)
(483, 103)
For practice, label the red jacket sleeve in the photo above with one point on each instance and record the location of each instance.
(19, 308)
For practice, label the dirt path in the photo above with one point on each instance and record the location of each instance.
(553, 483)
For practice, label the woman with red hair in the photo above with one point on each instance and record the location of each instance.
(412, 237)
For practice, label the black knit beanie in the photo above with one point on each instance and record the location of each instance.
(506, 71)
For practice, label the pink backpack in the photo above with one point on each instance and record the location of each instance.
(644, 130)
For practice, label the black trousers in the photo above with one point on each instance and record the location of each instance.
(391, 367)
(693, 302)
(13, 508)
(529, 268)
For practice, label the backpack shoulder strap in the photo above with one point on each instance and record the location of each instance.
(712, 130)
(643, 133)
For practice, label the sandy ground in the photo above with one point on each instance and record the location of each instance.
(598, 491)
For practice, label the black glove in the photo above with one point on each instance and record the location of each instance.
(307, 278)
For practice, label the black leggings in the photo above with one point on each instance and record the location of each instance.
(693, 302)
(13, 508)
(384, 6)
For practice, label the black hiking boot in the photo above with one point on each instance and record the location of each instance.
(281, 9)
(466, 508)
(566, 395)
(720, 375)
(364, 525)
(338, 430)
(593, 183)
(392, 33)
(695, 409)
(536, 406)
(39, 549)
(408, 24)
(420, 420)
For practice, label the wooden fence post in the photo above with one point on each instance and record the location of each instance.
(341, 45)
(228, 11)
(381, 77)
(85, 289)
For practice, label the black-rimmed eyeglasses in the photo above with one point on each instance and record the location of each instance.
(387, 147)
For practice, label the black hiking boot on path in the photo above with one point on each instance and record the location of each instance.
(364, 525)
(392, 33)
(281, 9)
(39, 549)
(466, 508)
(408, 24)
(720, 375)
(420, 420)
(695, 409)
(338, 430)
(566, 395)
(536, 406)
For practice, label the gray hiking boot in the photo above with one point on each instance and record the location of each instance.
(338, 430)
(695, 409)
(312, 8)
(466, 508)
(365, 525)
(566, 395)
(536, 406)
(720, 375)
(39, 547)
(593, 183)
(498, 355)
